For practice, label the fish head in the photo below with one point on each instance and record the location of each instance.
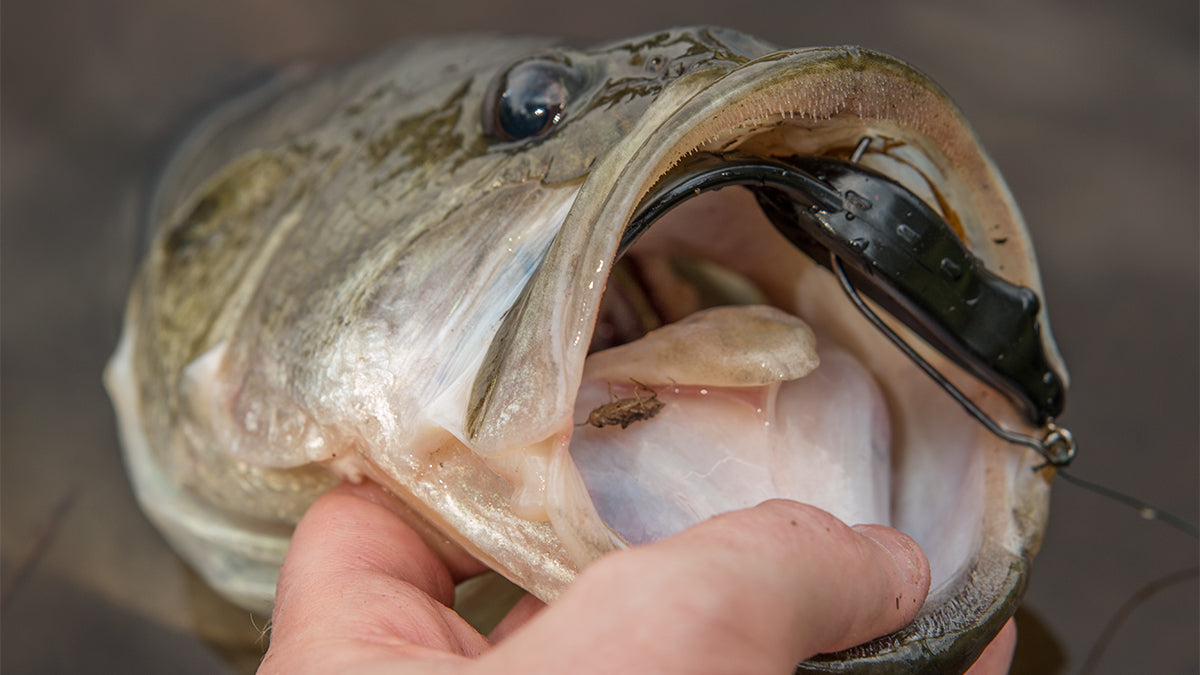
(411, 269)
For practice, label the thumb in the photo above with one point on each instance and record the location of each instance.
(757, 590)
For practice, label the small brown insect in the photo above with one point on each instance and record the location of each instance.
(625, 411)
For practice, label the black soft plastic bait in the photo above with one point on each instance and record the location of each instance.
(883, 241)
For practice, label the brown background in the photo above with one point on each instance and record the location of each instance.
(1090, 109)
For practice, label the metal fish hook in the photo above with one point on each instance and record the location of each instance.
(1056, 445)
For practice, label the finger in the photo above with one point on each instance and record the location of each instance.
(356, 528)
(460, 563)
(355, 573)
(750, 591)
(998, 656)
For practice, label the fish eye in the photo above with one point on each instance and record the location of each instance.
(530, 100)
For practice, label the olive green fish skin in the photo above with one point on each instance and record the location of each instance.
(329, 247)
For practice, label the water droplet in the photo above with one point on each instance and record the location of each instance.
(858, 242)
(849, 216)
(703, 392)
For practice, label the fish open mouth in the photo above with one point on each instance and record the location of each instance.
(719, 365)
(727, 368)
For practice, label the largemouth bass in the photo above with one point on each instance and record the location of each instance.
(407, 269)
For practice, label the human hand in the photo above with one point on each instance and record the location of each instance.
(750, 591)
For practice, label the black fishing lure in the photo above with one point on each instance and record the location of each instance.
(883, 241)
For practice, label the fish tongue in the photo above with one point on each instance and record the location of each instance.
(736, 346)
(748, 415)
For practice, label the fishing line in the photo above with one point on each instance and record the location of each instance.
(1139, 598)
(1145, 510)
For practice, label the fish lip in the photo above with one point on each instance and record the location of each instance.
(608, 200)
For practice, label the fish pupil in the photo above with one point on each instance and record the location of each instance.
(532, 102)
